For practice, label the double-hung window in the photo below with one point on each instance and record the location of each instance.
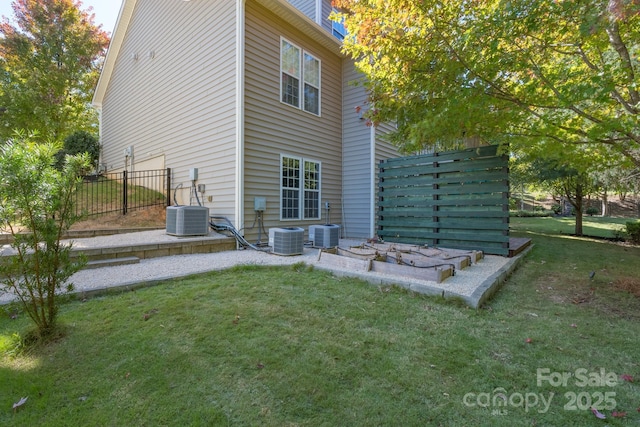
(300, 193)
(337, 28)
(300, 78)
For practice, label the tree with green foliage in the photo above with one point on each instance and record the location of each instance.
(50, 61)
(574, 175)
(37, 207)
(552, 74)
(77, 143)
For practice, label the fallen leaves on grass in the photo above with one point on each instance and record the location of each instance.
(581, 299)
(618, 414)
(626, 377)
(150, 313)
(628, 284)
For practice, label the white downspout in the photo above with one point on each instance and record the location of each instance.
(319, 12)
(373, 199)
(240, 45)
(101, 156)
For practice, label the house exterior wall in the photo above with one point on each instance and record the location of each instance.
(326, 11)
(363, 149)
(384, 151)
(308, 7)
(358, 157)
(176, 106)
(273, 128)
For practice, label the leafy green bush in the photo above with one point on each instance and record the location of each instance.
(633, 231)
(591, 211)
(536, 213)
(36, 208)
(78, 143)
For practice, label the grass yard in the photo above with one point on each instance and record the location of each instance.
(595, 226)
(106, 195)
(289, 346)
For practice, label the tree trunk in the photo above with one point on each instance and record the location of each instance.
(605, 203)
(579, 207)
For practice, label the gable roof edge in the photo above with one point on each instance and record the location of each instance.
(117, 38)
(281, 7)
(290, 13)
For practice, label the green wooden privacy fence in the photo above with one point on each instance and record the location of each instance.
(457, 199)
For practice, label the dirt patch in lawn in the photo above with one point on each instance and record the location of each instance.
(628, 284)
(152, 217)
(618, 298)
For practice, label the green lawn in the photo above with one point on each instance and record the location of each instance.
(591, 225)
(289, 346)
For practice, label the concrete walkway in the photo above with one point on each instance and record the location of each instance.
(473, 285)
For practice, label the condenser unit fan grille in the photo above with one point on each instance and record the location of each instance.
(324, 236)
(187, 220)
(287, 241)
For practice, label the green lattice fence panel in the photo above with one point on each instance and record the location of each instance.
(457, 199)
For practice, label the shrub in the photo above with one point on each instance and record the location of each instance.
(633, 231)
(591, 211)
(37, 207)
(524, 214)
(78, 143)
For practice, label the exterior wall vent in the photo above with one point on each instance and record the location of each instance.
(187, 221)
(287, 241)
(324, 236)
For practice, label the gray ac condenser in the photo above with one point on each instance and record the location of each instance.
(187, 220)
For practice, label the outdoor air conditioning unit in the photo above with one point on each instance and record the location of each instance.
(287, 241)
(324, 236)
(187, 221)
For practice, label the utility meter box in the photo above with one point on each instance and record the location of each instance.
(260, 204)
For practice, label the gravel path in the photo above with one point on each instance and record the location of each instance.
(464, 284)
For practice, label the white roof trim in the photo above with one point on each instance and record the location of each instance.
(280, 7)
(117, 38)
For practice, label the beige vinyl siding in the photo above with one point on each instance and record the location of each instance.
(326, 11)
(273, 128)
(360, 158)
(179, 103)
(308, 7)
(357, 178)
(384, 151)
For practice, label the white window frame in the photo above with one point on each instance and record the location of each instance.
(301, 190)
(338, 29)
(302, 79)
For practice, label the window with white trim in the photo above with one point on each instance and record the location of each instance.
(300, 193)
(300, 78)
(337, 28)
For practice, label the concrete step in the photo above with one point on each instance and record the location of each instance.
(112, 262)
